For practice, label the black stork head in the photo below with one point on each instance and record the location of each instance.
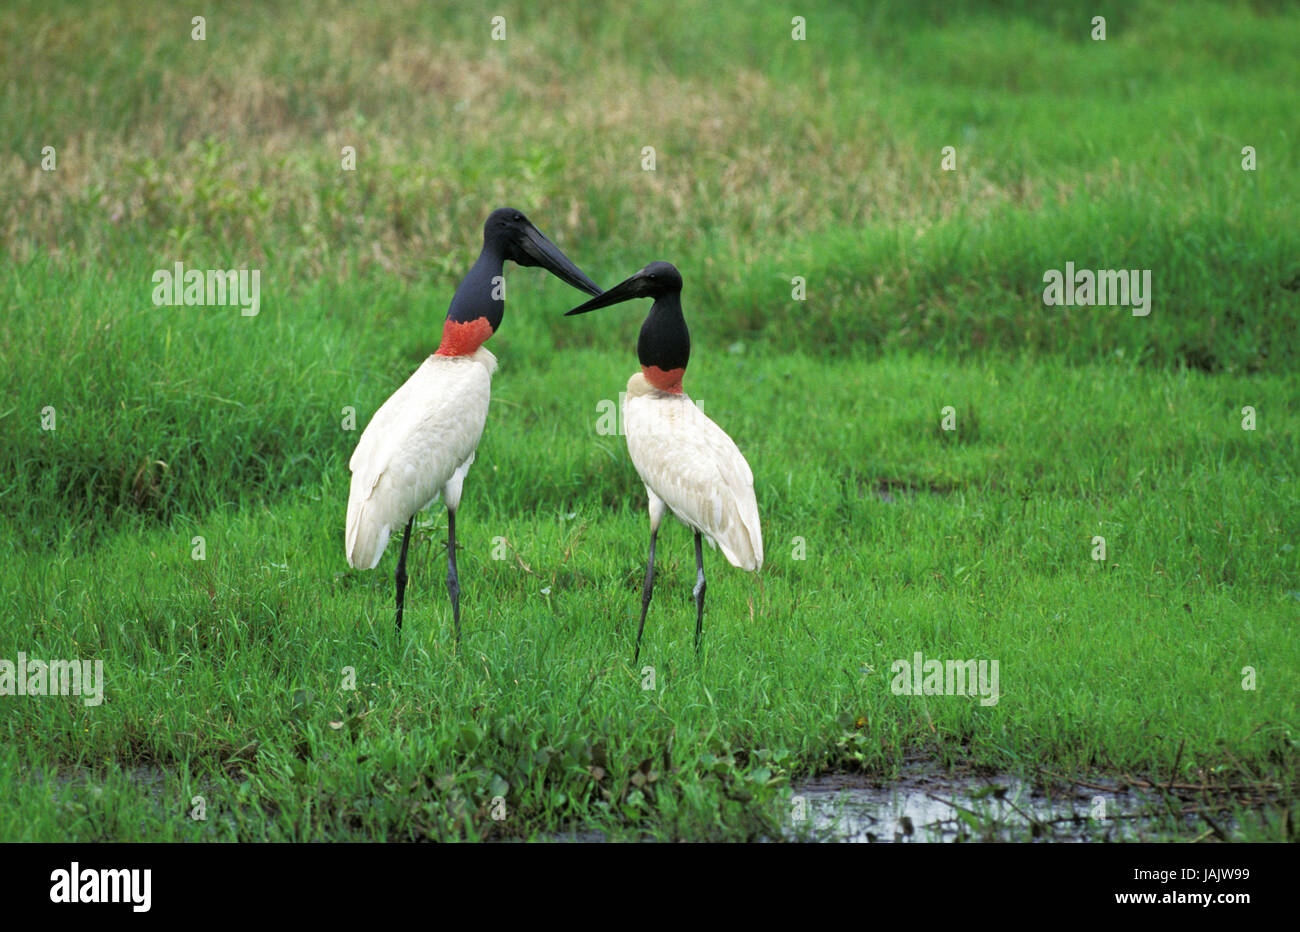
(664, 346)
(514, 235)
(479, 303)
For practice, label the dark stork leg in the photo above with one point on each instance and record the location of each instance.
(700, 586)
(453, 580)
(646, 591)
(401, 573)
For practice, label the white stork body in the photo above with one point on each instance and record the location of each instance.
(687, 462)
(419, 444)
(690, 466)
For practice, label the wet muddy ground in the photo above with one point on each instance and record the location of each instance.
(926, 805)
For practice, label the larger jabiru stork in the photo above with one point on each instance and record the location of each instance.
(421, 441)
(688, 463)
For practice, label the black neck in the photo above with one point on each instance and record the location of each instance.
(665, 342)
(473, 298)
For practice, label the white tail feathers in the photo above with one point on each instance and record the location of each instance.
(366, 540)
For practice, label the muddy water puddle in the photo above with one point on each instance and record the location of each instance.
(933, 807)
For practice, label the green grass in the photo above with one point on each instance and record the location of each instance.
(777, 159)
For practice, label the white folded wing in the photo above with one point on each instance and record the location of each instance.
(690, 462)
(419, 443)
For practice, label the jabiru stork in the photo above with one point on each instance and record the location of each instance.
(687, 462)
(421, 441)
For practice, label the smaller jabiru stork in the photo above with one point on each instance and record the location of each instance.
(421, 442)
(688, 463)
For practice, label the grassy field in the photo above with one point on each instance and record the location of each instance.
(266, 678)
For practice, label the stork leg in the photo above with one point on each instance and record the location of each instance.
(698, 591)
(646, 591)
(400, 576)
(453, 580)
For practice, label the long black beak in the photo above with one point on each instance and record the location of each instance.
(547, 255)
(625, 290)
